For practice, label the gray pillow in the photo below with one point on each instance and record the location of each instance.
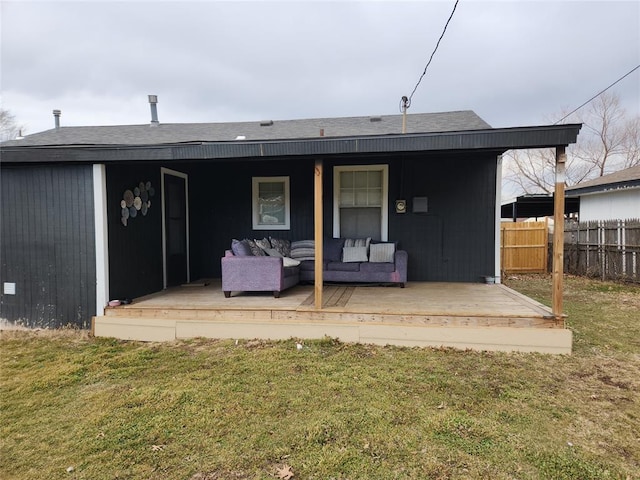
(382, 252)
(354, 254)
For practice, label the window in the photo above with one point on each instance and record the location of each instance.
(360, 201)
(270, 203)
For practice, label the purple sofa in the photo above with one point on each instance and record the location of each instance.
(256, 274)
(378, 262)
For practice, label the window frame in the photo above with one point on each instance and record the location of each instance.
(255, 189)
(384, 204)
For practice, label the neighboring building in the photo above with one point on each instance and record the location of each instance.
(96, 213)
(611, 197)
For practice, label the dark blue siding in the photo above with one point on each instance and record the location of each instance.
(135, 251)
(47, 245)
(453, 242)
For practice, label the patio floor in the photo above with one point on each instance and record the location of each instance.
(460, 315)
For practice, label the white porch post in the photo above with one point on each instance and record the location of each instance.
(101, 237)
(318, 234)
(558, 233)
(498, 251)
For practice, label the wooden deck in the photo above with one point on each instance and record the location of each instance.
(460, 315)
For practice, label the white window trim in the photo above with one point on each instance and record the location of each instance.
(254, 204)
(384, 223)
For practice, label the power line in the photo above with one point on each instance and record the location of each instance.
(599, 93)
(432, 54)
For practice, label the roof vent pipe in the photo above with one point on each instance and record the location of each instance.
(56, 117)
(153, 100)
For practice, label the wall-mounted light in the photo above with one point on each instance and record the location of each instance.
(401, 206)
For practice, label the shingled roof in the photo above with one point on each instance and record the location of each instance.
(425, 132)
(627, 178)
(174, 133)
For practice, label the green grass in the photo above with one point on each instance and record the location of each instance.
(204, 409)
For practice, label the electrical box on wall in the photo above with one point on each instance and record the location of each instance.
(420, 205)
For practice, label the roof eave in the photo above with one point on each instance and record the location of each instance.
(608, 188)
(498, 140)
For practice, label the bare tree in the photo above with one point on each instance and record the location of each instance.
(609, 141)
(9, 128)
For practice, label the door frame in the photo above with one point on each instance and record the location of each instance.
(167, 171)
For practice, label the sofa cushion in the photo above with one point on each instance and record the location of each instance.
(291, 271)
(308, 265)
(377, 267)
(343, 267)
(332, 249)
(382, 252)
(354, 254)
(241, 248)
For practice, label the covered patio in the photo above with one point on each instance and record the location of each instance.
(437, 314)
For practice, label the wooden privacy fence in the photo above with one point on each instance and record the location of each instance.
(606, 249)
(523, 247)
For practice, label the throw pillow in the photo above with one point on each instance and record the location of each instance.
(272, 252)
(241, 248)
(354, 254)
(332, 249)
(357, 242)
(255, 249)
(281, 245)
(303, 250)
(382, 252)
(290, 262)
(263, 244)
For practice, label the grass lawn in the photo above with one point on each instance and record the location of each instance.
(75, 407)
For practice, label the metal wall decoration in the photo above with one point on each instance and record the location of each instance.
(137, 200)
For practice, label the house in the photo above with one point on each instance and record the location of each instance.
(72, 238)
(615, 196)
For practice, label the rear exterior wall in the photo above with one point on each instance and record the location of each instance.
(47, 246)
(453, 241)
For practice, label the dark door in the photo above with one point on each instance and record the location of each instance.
(175, 230)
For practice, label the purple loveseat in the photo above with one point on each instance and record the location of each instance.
(256, 274)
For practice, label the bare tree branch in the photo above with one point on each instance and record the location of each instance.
(609, 141)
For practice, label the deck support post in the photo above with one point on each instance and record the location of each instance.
(318, 234)
(558, 233)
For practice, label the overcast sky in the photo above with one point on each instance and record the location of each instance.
(514, 63)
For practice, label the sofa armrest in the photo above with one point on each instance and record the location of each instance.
(401, 259)
(252, 273)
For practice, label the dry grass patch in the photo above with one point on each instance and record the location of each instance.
(204, 410)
